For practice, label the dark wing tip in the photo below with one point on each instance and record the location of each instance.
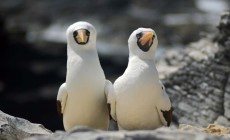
(168, 116)
(109, 109)
(59, 108)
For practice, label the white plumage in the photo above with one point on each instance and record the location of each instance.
(139, 100)
(82, 98)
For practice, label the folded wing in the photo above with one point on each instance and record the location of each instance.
(164, 107)
(61, 99)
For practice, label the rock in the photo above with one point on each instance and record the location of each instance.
(222, 120)
(16, 128)
(224, 28)
(177, 58)
(185, 107)
(202, 50)
(201, 84)
(158, 134)
(211, 129)
(216, 130)
(185, 127)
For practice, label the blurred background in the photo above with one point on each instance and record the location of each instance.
(33, 43)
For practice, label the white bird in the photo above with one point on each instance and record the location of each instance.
(139, 100)
(82, 98)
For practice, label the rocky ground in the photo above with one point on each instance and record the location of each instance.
(187, 133)
(12, 128)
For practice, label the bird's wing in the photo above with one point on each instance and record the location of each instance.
(164, 107)
(61, 99)
(109, 92)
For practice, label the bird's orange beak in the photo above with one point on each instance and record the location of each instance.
(82, 38)
(147, 37)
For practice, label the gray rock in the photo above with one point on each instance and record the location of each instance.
(201, 83)
(13, 128)
(185, 107)
(227, 99)
(158, 134)
(222, 120)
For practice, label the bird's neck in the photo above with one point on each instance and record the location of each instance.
(144, 57)
(137, 59)
(82, 54)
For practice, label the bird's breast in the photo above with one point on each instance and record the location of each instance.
(138, 86)
(84, 78)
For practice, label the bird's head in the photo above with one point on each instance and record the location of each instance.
(81, 35)
(143, 43)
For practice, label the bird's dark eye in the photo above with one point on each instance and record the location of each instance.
(75, 33)
(162, 87)
(139, 35)
(87, 33)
